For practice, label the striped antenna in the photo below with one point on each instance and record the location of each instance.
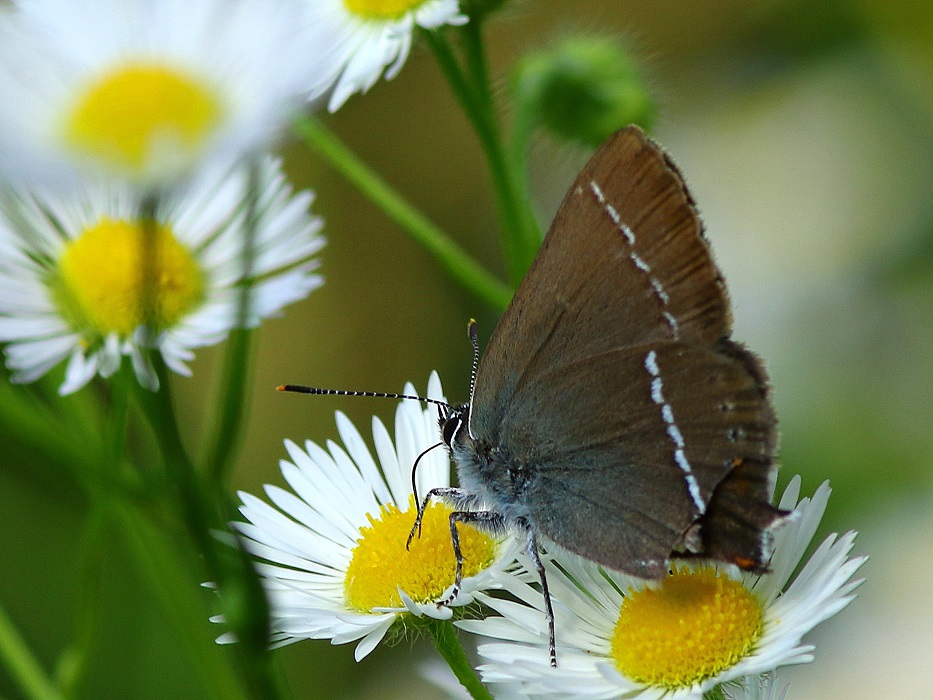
(471, 331)
(316, 391)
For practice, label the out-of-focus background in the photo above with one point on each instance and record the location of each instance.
(805, 130)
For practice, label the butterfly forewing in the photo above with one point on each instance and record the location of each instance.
(623, 263)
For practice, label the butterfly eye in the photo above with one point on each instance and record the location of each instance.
(450, 428)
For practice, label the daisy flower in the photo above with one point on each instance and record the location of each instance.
(334, 548)
(367, 38)
(701, 627)
(142, 89)
(83, 277)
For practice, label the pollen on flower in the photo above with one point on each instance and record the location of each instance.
(381, 9)
(380, 564)
(112, 278)
(695, 625)
(129, 114)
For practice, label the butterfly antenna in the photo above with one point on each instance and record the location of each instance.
(471, 331)
(317, 391)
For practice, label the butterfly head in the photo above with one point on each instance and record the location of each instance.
(451, 420)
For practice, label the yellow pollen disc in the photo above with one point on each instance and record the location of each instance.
(695, 625)
(127, 113)
(380, 564)
(381, 9)
(103, 277)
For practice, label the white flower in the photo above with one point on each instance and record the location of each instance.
(72, 271)
(144, 89)
(338, 567)
(366, 38)
(738, 624)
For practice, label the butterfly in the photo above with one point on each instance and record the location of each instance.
(611, 413)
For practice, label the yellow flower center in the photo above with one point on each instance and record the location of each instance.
(116, 275)
(139, 112)
(380, 564)
(381, 9)
(695, 625)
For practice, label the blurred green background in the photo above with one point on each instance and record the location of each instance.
(805, 130)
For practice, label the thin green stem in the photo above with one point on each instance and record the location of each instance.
(233, 402)
(448, 645)
(73, 663)
(230, 567)
(463, 268)
(160, 566)
(523, 125)
(23, 667)
(520, 234)
(716, 693)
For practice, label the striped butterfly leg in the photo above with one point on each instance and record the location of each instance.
(487, 520)
(531, 546)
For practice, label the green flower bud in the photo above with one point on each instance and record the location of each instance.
(583, 89)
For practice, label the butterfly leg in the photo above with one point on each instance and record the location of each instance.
(455, 496)
(485, 520)
(531, 546)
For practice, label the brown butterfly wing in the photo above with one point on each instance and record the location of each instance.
(565, 390)
(623, 263)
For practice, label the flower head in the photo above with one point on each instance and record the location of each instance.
(701, 627)
(84, 276)
(336, 562)
(147, 91)
(367, 38)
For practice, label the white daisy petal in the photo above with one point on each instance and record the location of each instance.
(34, 358)
(79, 371)
(72, 304)
(359, 453)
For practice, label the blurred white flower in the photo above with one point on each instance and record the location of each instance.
(142, 89)
(83, 277)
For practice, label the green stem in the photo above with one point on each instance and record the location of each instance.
(230, 567)
(73, 664)
(448, 645)
(160, 566)
(23, 667)
(716, 693)
(520, 234)
(233, 402)
(523, 125)
(454, 259)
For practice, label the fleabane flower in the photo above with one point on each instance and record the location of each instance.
(702, 626)
(364, 39)
(86, 276)
(335, 563)
(145, 90)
